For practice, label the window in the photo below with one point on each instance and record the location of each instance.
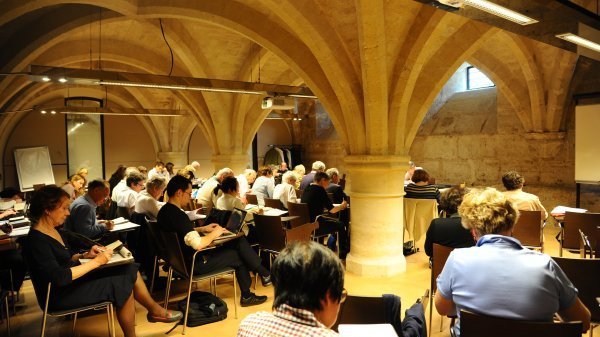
(477, 80)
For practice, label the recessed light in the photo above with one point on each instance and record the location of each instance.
(46, 79)
(43, 112)
(62, 80)
(53, 112)
(578, 40)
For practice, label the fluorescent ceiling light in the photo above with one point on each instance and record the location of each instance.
(578, 40)
(73, 110)
(137, 80)
(500, 11)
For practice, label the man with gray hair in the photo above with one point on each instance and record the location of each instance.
(334, 188)
(83, 219)
(245, 180)
(206, 197)
(317, 166)
(122, 185)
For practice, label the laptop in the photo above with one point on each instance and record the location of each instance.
(234, 225)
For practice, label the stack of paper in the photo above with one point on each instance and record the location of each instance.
(561, 210)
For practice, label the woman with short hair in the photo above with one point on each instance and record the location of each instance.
(286, 191)
(264, 185)
(419, 187)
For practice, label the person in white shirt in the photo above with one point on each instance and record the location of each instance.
(122, 186)
(135, 184)
(264, 185)
(245, 180)
(205, 195)
(147, 201)
(286, 191)
(159, 170)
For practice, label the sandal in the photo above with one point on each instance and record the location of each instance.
(169, 317)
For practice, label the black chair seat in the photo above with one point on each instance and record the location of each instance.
(64, 312)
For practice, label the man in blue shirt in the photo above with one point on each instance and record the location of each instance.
(500, 278)
(83, 219)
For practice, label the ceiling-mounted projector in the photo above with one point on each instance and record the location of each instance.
(448, 5)
(278, 103)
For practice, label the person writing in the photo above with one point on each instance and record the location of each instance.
(82, 219)
(74, 284)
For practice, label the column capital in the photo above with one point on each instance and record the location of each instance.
(370, 162)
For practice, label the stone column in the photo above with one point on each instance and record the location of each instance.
(377, 217)
(179, 159)
(237, 162)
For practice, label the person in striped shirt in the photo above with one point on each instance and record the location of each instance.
(419, 188)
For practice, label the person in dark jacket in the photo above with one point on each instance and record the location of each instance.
(449, 231)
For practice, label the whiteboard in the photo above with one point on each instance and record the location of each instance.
(33, 167)
(587, 146)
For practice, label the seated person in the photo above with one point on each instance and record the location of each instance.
(116, 177)
(514, 182)
(419, 188)
(449, 231)
(83, 211)
(334, 187)
(135, 184)
(317, 166)
(245, 180)
(75, 284)
(286, 191)
(300, 171)
(316, 198)
(500, 278)
(143, 170)
(160, 171)
(206, 196)
(122, 185)
(147, 201)
(236, 253)
(11, 193)
(309, 289)
(73, 186)
(264, 185)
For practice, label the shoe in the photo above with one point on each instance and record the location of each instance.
(266, 280)
(253, 299)
(169, 317)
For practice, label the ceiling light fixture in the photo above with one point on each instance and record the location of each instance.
(43, 112)
(137, 80)
(61, 80)
(501, 11)
(578, 40)
(45, 79)
(74, 110)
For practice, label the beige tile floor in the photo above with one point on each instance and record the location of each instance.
(409, 286)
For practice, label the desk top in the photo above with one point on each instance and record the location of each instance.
(122, 227)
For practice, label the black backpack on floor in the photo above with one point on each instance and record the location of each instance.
(204, 308)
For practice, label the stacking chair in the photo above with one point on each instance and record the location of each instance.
(361, 310)
(585, 247)
(123, 212)
(587, 222)
(418, 214)
(74, 311)
(178, 264)
(301, 211)
(584, 273)
(475, 325)
(440, 255)
(273, 203)
(156, 240)
(252, 198)
(4, 299)
(529, 229)
(273, 237)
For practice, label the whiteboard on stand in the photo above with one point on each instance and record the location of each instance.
(33, 167)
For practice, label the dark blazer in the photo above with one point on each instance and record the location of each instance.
(447, 232)
(337, 191)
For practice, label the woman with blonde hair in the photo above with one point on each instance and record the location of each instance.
(74, 186)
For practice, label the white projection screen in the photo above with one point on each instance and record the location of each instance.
(33, 167)
(587, 144)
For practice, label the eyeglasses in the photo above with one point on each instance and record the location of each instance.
(343, 296)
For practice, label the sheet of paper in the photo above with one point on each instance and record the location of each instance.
(124, 226)
(367, 330)
(119, 220)
(193, 215)
(563, 209)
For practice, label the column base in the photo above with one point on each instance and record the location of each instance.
(376, 267)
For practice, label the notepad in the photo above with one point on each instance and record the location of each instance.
(365, 330)
(122, 255)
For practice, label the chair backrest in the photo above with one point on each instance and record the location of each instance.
(301, 233)
(438, 261)
(528, 229)
(174, 254)
(269, 232)
(156, 239)
(273, 203)
(252, 198)
(123, 212)
(330, 196)
(472, 325)
(585, 247)
(584, 274)
(418, 214)
(362, 310)
(587, 222)
(301, 211)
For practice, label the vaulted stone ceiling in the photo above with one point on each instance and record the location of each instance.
(376, 65)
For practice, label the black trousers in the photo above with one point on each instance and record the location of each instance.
(330, 226)
(236, 254)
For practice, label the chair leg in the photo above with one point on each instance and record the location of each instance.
(154, 272)
(215, 285)
(7, 316)
(235, 295)
(441, 322)
(187, 305)
(431, 313)
(74, 323)
(169, 276)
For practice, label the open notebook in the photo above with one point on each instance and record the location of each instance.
(121, 255)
